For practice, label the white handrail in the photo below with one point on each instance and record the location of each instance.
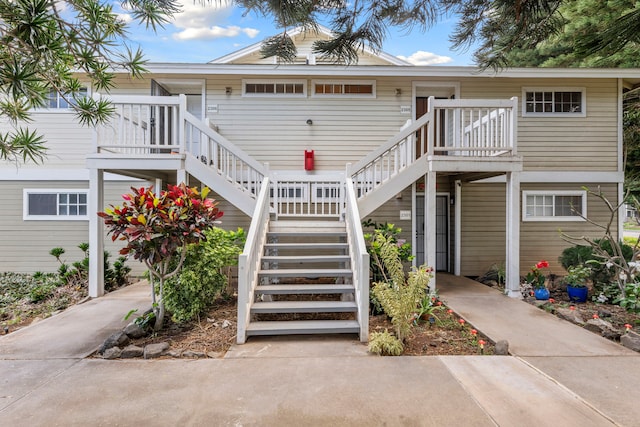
(467, 127)
(249, 260)
(359, 258)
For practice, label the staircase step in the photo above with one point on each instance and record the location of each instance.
(306, 233)
(303, 307)
(306, 245)
(305, 258)
(303, 327)
(296, 225)
(304, 289)
(306, 272)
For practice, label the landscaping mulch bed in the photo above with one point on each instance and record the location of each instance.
(614, 314)
(213, 334)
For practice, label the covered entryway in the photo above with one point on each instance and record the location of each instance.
(442, 231)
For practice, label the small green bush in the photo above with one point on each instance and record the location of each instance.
(385, 344)
(41, 292)
(77, 274)
(601, 275)
(202, 278)
(631, 300)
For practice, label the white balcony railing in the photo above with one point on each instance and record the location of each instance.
(152, 125)
(478, 128)
(307, 195)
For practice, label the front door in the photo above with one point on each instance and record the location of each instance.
(442, 231)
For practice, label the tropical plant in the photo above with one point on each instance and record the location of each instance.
(158, 228)
(385, 344)
(204, 274)
(46, 43)
(391, 233)
(535, 277)
(77, 273)
(609, 251)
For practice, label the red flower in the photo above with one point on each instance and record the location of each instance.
(627, 326)
(439, 303)
(542, 264)
(461, 321)
(481, 343)
(449, 311)
(595, 316)
(551, 300)
(474, 332)
(572, 308)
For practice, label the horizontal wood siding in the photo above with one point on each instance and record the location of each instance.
(483, 227)
(25, 245)
(66, 140)
(276, 131)
(390, 213)
(561, 143)
(542, 241)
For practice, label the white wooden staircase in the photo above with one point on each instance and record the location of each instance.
(316, 264)
(305, 281)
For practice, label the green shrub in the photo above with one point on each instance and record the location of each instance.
(203, 277)
(575, 255)
(77, 274)
(399, 298)
(41, 292)
(631, 300)
(601, 275)
(385, 344)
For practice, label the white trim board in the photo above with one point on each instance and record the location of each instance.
(43, 174)
(560, 177)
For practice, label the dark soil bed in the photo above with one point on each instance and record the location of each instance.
(214, 333)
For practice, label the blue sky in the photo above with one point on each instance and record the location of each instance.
(202, 33)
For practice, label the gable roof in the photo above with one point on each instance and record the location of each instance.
(303, 40)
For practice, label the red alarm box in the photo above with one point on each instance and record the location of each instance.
(308, 160)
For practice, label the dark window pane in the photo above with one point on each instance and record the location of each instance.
(42, 204)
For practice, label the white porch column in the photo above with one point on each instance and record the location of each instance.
(430, 224)
(181, 176)
(457, 267)
(512, 257)
(96, 233)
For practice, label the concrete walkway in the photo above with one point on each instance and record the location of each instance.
(44, 379)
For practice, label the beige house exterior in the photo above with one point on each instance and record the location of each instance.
(478, 168)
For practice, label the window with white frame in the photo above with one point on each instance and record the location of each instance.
(60, 102)
(554, 206)
(552, 102)
(46, 204)
(276, 88)
(331, 88)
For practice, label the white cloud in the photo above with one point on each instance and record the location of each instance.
(426, 58)
(204, 22)
(125, 17)
(206, 33)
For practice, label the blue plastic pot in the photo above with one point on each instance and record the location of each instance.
(577, 294)
(541, 293)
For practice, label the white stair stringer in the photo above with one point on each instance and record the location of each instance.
(231, 192)
(305, 272)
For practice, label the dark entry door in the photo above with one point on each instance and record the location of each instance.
(442, 232)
